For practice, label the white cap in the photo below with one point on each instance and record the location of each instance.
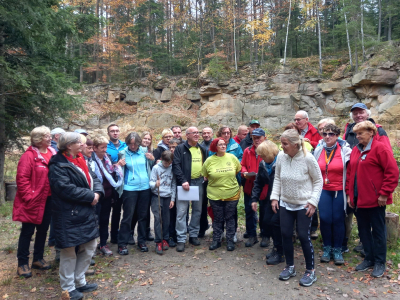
(57, 131)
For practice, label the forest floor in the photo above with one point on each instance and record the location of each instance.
(196, 273)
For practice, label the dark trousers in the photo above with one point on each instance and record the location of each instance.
(116, 217)
(27, 230)
(172, 223)
(204, 212)
(251, 218)
(161, 226)
(314, 222)
(135, 220)
(131, 201)
(103, 213)
(303, 226)
(266, 213)
(271, 225)
(224, 213)
(331, 215)
(372, 231)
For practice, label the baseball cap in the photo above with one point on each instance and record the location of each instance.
(358, 105)
(57, 130)
(254, 122)
(258, 132)
(81, 131)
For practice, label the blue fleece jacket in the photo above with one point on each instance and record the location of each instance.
(136, 177)
(113, 151)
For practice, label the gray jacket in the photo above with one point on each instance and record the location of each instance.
(167, 181)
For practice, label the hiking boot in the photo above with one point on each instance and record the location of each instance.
(230, 245)
(194, 241)
(288, 271)
(365, 265)
(106, 251)
(89, 272)
(41, 264)
(165, 245)
(131, 240)
(159, 248)
(24, 271)
(214, 245)
(171, 243)
(275, 259)
(308, 278)
(123, 250)
(149, 237)
(265, 241)
(92, 262)
(271, 253)
(143, 248)
(180, 247)
(362, 253)
(235, 238)
(337, 256)
(378, 270)
(314, 236)
(89, 287)
(359, 247)
(75, 295)
(326, 255)
(251, 241)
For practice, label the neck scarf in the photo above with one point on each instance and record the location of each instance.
(328, 149)
(108, 170)
(270, 165)
(80, 162)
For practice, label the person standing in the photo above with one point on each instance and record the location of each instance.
(162, 146)
(32, 204)
(55, 135)
(308, 131)
(241, 133)
(188, 161)
(177, 132)
(248, 141)
(207, 135)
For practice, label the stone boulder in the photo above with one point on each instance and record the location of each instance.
(396, 89)
(166, 95)
(161, 84)
(113, 96)
(193, 95)
(375, 76)
(308, 89)
(165, 120)
(389, 110)
(136, 94)
(373, 91)
(226, 110)
(333, 86)
(209, 90)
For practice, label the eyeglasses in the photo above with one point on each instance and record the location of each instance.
(195, 133)
(331, 134)
(221, 145)
(298, 120)
(226, 133)
(167, 136)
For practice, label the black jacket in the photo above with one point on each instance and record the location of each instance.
(350, 135)
(182, 163)
(74, 218)
(157, 153)
(246, 142)
(261, 180)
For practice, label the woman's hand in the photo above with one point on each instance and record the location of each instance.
(96, 199)
(275, 205)
(310, 210)
(254, 206)
(121, 162)
(171, 205)
(149, 156)
(382, 200)
(245, 175)
(349, 201)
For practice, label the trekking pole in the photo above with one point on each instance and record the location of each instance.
(159, 207)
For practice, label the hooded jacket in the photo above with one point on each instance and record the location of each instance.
(246, 142)
(250, 163)
(113, 151)
(167, 181)
(161, 147)
(263, 183)
(313, 135)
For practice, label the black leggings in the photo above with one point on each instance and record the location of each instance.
(303, 226)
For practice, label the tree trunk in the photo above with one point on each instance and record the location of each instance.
(362, 30)
(287, 32)
(2, 125)
(234, 35)
(392, 227)
(80, 67)
(380, 20)
(390, 22)
(348, 38)
(319, 40)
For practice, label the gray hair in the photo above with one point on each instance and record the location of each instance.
(133, 136)
(303, 112)
(186, 131)
(292, 135)
(212, 131)
(66, 139)
(38, 133)
(327, 121)
(368, 112)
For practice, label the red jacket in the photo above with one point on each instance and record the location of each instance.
(250, 163)
(377, 174)
(236, 139)
(33, 187)
(313, 135)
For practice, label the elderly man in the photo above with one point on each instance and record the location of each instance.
(309, 132)
(207, 135)
(177, 131)
(55, 135)
(188, 161)
(241, 133)
(248, 141)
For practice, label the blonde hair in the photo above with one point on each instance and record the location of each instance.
(83, 139)
(38, 133)
(268, 149)
(98, 140)
(365, 125)
(327, 121)
(295, 139)
(166, 131)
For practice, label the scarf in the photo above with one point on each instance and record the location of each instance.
(80, 162)
(270, 165)
(107, 171)
(54, 152)
(328, 149)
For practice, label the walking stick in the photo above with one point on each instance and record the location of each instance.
(159, 208)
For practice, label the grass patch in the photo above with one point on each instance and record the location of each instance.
(6, 281)
(6, 209)
(10, 249)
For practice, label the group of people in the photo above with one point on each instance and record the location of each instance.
(73, 183)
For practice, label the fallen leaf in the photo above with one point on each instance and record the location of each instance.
(361, 278)
(394, 253)
(5, 296)
(119, 284)
(336, 280)
(144, 283)
(65, 295)
(50, 288)
(142, 272)
(33, 290)
(345, 295)
(150, 281)
(176, 296)
(356, 291)
(386, 285)
(95, 293)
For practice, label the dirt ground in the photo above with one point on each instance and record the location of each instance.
(196, 273)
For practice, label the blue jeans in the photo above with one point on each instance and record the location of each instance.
(331, 216)
(251, 218)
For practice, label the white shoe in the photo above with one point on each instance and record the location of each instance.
(235, 238)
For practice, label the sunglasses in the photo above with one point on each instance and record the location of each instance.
(331, 134)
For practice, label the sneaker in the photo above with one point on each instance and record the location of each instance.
(288, 271)
(90, 272)
(230, 245)
(131, 240)
(92, 262)
(165, 245)
(75, 295)
(365, 265)
(159, 248)
(214, 245)
(123, 250)
(41, 264)
(235, 238)
(149, 237)
(89, 287)
(180, 247)
(24, 271)
(314, 236)
(251, 241)
(337, 256)
(265, 241)
(362, 253)
(172, 242)
(271, 253)
(308, 278)
(326, 255)
(275, 259)
(143, 248)
(378, 271)
(359, 247)
(194, 241)
(106, 251)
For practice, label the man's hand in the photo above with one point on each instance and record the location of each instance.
(310, 210)
(158, 183)
(382, 200)
(185, 186)
(121, 162)
(254, 206)
(275, 205)
(149, 156)
(171, 205)
(349, 201)
(96, 199)
(245, 175)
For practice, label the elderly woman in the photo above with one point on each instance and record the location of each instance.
(372, 176)
(223, 191)
(166, 135)
(321, 124)
(111, 178)
(332, 156)
(75, 192)
(268, 151)
(32, 204)
(135, 192)
(298, 185)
